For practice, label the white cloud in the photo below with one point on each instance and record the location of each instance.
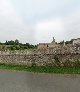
(72, 25)
(65, 28)
(46, 29)
(37, 21)
(11, 25)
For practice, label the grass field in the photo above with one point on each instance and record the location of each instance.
(42, 69)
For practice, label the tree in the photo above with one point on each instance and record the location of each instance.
(16, 42)
(11, 42)
(68, 42)
(62, 42)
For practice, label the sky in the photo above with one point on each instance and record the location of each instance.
(38, 21)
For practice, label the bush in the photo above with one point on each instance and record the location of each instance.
(33, 64)
(68, 63)
(77, 63)
(57, 61)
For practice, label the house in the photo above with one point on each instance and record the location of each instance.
(48, 47)
(76, 41)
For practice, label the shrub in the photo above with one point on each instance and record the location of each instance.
(33, 64)
(77, 63)
(56, 60)
(68, 63)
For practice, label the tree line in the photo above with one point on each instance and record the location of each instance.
(67, 42)
(16, 45)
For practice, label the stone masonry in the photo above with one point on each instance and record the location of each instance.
(50, 54)
(38, 59)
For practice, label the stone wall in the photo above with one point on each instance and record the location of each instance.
(38, 59)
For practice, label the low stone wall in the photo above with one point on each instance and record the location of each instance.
(39, 59)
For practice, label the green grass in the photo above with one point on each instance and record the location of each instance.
(42, 69)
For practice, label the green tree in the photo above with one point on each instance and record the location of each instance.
(16, 42)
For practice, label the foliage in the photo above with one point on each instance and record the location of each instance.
(42, 69)
(33, 64)
(68, 42)
(62, 42)
(68, 63)
(16, 45)
(76, 63)
(57, 62)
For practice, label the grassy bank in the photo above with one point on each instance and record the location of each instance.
(47, 69)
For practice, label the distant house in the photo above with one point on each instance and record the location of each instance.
(73, 46)
(48, 47)
(76, 41)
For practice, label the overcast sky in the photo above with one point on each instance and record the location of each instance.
(36, 21)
